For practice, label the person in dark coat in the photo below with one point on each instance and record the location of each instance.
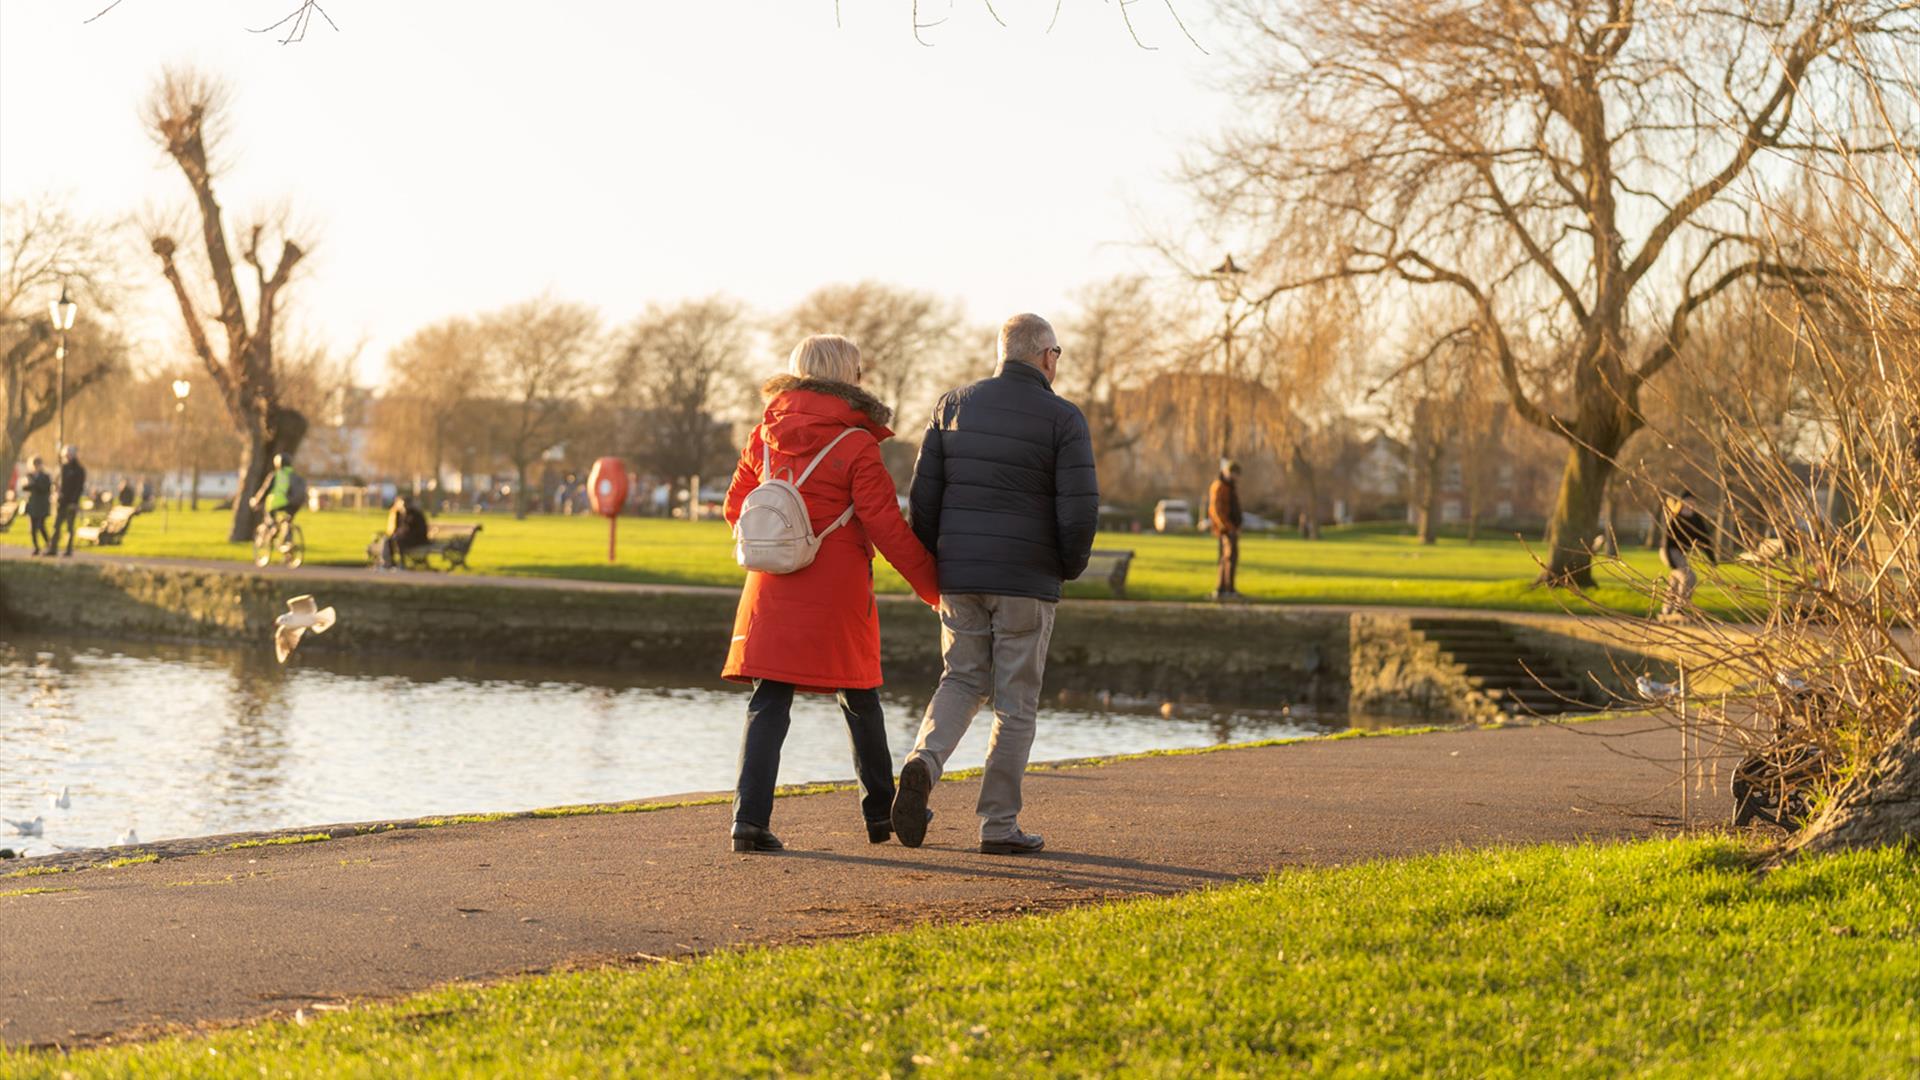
(1684, 533)
(73, 485)
(1223, 512)
(1004, 494)
(39, 489)
(817, 629)
(406, 528)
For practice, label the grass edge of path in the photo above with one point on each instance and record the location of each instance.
(1580, 959)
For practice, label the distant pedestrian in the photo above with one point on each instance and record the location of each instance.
(815, 628)
(1223, 511)
(1004, 494)
(125, 495)
(1684, 533)
(39, 489)
(73, 485)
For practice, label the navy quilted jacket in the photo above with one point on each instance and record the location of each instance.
(1004, 492)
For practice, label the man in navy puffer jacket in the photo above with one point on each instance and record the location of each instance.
(1004, 495)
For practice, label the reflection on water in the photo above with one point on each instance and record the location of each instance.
(187, 741)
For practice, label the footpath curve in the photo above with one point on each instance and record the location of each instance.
(241, 934)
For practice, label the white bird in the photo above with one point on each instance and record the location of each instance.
(60, 801)
(302, 615)
(1653, 689)
(128, 838)
(36, 827)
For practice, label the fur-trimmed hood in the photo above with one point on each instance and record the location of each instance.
(846, 392)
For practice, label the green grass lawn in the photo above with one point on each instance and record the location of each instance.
(1656, 958)
(1363, 565)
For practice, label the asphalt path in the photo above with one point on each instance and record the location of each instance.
(234, 935)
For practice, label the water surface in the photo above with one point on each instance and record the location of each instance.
(188, 741)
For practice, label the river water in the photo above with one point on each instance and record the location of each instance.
(172, 741)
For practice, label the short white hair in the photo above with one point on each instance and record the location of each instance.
(826, 356)
(1024, 337)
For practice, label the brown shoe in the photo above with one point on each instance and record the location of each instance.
(1020, 843)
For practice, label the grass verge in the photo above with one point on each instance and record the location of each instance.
(1367, 564)
(1667, 957)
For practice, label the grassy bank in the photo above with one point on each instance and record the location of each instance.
(1665, 957)
(1351, 566)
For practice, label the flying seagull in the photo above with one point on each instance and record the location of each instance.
(36, 827)
(60, 801)
(302, 615)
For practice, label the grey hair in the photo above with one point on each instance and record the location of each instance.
(1024, 337)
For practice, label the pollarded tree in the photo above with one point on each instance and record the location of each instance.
(184, 115)
(1578, 171)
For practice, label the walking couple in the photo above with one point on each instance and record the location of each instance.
(1003, 509)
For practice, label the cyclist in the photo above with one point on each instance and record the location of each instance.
(282, 492)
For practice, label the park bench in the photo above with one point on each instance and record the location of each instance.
(1110, 566)
(8, 511)
(448, 543)
(110, 531)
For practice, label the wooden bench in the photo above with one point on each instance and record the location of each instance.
(1111, 566)
(448, 543)
(108, 532)
(8, 511)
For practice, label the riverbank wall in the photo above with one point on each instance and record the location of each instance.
(1265, 654)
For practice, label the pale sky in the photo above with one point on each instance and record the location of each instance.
(452, 156)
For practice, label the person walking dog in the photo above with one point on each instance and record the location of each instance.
(1004, 494)
(1223, 511)
(810, 500)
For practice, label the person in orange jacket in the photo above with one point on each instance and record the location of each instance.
(817, 629)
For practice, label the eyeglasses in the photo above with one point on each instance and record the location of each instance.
(1056, 352)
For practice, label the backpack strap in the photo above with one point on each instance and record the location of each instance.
(845, 515)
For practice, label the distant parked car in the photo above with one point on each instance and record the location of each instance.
(1250, 522)
(1172, 515)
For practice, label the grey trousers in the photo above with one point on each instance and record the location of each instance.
(994, 649)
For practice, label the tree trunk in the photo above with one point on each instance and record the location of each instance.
(1583, 489)
(1310, 489)
(1429, 496)
(193, 493)
(520, 491)
(1879, 807)
(255, 462)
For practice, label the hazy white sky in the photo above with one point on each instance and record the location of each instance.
(456, 155)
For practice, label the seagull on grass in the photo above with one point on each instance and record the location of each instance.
(36, 827)
(302, 615)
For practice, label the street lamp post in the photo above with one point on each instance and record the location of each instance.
(1226, 283)
(62, 312)
(181, 388)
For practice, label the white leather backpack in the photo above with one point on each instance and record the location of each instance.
(774, 533)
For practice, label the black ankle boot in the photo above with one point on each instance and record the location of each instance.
(754, 838)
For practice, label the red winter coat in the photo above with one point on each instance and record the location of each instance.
(819, 628)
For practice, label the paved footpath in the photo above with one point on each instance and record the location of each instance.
(236, 935)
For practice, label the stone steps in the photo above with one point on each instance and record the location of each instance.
(1521, 680)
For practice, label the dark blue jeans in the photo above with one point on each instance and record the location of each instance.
(770, 712)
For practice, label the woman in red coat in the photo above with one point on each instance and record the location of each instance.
(818, 629)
